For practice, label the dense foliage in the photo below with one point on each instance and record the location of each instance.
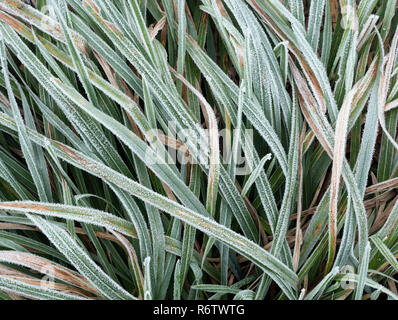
(184, 149)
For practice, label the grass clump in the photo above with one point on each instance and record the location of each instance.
(214, 149)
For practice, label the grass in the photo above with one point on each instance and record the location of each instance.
(214, 149)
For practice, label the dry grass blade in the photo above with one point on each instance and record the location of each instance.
(338, 159)
(43, 265)
(385, 86)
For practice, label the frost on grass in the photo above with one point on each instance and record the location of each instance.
(122, 135)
